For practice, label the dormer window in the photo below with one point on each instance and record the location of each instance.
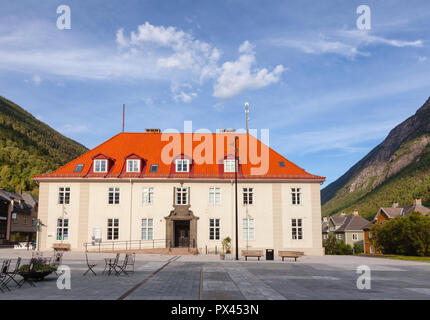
(100, 165)
(229, 165)
(182, 165)
(133, 165)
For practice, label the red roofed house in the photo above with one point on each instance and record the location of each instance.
(161, 190)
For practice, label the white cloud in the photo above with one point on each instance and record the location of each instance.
(179, 94)
(321, 46)
(237, 76)
(422, 59)
(36, 79)
(348, 43)
(73, 128)
(181, 49)
(185, 97)
(150, 52)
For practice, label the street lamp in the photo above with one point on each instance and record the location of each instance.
(235, 182)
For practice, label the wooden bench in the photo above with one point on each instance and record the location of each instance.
(252, 253)
(61, 246)
(290, 254)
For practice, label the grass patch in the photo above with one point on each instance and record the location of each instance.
(406, 258)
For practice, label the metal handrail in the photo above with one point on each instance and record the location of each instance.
(127, 244)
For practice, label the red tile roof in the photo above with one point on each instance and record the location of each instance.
(149, 147)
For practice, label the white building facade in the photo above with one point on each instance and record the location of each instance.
(128, 198)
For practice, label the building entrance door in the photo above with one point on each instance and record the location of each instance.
(182, 233)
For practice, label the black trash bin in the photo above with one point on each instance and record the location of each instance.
(269, 254)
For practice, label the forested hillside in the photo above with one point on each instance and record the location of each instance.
(29, 147)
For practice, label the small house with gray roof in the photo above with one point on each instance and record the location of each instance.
(351, 231)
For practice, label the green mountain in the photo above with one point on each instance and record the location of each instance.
(397, 170)
(29, 147)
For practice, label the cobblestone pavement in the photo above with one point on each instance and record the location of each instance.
(206, 277)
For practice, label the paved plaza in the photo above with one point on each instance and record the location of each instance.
(207, 277)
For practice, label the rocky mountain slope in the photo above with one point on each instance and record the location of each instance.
(396, 170)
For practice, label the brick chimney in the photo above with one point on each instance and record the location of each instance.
(395, 204)
(418, 202)
(355, 213)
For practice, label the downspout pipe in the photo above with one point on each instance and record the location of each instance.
(131, 209)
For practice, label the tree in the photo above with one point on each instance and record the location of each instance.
(403, 235)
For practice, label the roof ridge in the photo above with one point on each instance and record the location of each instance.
(349, 222)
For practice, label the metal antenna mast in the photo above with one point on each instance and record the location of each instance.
(123, 117)
(247, 118)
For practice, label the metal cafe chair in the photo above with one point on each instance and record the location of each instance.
(26, 280)
(56, 260)
(10, 276)
(111, 265)
(121, 268)
(3, 275)
(89, 265)
(130, 262)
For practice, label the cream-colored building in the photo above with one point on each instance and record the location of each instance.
(123, 194)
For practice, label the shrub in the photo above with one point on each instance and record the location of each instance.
(357, 249)
(226, 245)
(337, 247)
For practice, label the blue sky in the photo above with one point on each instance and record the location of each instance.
(327, 91)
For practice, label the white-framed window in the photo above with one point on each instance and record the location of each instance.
(133, 165)
(324, 236)
(214, 229)
(214, 195)
(62, 229)
(296, 195)
(113, 229)
(339, 236)
(113, 195)
(248, 196)
(147, 195)
(372, 249)
(297, 229)
(182, 165)
(64, 195)
(248, 229)
(100, 165)
(147, 229)
(229, 165)
(181, 196)
(355, 236)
